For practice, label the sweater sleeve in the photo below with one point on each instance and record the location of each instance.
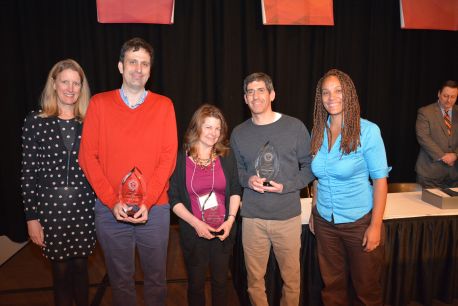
(241, 167)
(89, 157)
(176, 183)
(158, 183)
(304, 176)
(235, 188)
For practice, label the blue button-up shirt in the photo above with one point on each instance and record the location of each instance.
(344, 190)
(126, 100)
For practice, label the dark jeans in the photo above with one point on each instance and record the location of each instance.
(198, 258)
(350, 275)
(118, 241)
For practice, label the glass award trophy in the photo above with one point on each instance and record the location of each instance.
(132, 191)
(267, 164)
(212, 212)
(212, 217)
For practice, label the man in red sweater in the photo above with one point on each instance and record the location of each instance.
(127, 128)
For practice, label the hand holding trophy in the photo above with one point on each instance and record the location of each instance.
(132, 191)
(267, 164)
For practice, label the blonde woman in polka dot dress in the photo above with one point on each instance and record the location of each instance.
(58, 201)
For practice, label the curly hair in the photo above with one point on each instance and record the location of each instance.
(351, 115)
(194, 130)
(48, 100)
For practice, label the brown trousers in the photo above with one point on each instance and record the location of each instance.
(350, 275)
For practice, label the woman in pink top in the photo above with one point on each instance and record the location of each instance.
(205, 193)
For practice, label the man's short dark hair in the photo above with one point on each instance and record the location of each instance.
(449, 83)
(258, 76)
(136, 44)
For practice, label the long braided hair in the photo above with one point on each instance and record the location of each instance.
(351, 128)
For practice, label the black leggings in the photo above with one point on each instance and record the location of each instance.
(71, 282)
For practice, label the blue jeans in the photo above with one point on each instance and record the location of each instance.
(118, 241)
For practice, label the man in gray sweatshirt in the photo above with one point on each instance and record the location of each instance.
(273, 157)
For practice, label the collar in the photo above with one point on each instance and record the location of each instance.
(126, 100)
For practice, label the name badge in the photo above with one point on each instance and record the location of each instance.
(208, 201)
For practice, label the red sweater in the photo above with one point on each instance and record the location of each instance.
(116, 138)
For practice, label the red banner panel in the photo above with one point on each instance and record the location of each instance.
(135, 11)
(429, 14)
(297, 12)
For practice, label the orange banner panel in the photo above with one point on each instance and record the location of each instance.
(297, 12)
(429, 14)
(135, 11)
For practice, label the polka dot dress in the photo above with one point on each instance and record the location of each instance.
(55, 191)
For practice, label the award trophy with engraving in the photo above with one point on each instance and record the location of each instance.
(212, 213)
(132, 191)
(267, 164)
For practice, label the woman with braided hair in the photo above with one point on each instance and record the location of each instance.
(347, 209)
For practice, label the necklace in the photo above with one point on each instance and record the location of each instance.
(203, 163)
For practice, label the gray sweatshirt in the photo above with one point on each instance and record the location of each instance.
(291, 140)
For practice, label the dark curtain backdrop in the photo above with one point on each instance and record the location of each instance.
(204, 57)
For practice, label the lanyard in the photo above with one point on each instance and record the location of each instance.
(211, 191)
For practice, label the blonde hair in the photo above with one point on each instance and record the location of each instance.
(194, 130)
(48, 100)
(351, 114)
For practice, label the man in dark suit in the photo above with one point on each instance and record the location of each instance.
(437, 134)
